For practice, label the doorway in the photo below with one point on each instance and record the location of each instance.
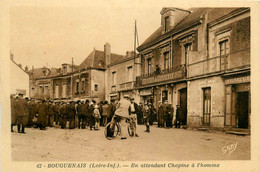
(183, 105)
(242, 109)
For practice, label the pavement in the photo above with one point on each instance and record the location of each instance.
(161, 144)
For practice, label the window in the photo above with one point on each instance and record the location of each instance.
(188, 47)
(64, 90)
(77, 87)
(113, 78)
(83, 85)
(42, 89)
(223, 53)
(164, 95)
(64, 69)
(166, 23)
(130, 73)
(149, 65)
(96, 87)
(167, 62)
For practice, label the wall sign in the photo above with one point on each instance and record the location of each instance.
(237, 80)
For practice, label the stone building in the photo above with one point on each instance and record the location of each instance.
(219, 72)
(200, 59)
(41, 82)
(121, 76)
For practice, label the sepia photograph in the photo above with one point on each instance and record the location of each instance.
(98, 84)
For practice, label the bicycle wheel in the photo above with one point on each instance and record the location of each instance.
(130, 130)
(111, 133)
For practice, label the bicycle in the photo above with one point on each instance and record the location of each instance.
(115, 130)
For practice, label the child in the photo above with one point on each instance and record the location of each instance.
(97, 117)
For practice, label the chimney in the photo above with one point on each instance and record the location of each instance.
(26, 68)
(129, 54)
(107, 53)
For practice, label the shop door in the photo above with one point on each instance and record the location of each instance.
(183, 105)
(206, 106)
(242, 109)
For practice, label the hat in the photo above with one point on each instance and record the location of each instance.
(132, 98)
(91, 103)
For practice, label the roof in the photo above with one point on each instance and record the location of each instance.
(96, 59)
(190, 20)
(38, 72)
(18, 66)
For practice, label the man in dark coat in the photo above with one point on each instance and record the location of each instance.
(84, 109)
(140, 114)
(170, 111)
(42, 119)
(90, 116)
(63, 115)
(71, 114)
(51, 114)
(177, 122)
(13, 112)
(22, 114)
(79, 105)
(160, 114)
(111, 110)
(146, 116)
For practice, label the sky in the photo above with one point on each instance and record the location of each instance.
(52, 35)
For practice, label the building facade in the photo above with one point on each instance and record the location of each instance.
(19, 81)
(121, 76)
(199, 59)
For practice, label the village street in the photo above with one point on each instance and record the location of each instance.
(55, 144)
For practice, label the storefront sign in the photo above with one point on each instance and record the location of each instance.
(163, 77)
(243, 79)
(146, 92)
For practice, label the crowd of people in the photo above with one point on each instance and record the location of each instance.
(80, 114)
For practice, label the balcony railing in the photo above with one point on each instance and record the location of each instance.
(174, 73)
(126, 86)
(113, 89)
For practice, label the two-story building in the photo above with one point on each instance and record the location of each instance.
(219, 79)
(121, 76)
(200, 59)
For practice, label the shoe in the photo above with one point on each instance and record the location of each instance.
(12, 130)
(122, 138)
(22, 132)
(145, 131)
(136, 135)
(148, 131)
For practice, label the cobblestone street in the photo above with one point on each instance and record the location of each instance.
(55, 144)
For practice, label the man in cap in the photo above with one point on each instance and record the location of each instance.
(122, 111)
(133, 114)
(71, 114)
(22, 114)
(140, 113)
(160, 114)
(146, 116)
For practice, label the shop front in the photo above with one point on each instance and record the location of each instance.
(146, 96)
(238, 101)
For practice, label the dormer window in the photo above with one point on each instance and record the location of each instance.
(166, 23)
(65, 69)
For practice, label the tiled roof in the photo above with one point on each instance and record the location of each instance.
(96, 59)
(193, 18)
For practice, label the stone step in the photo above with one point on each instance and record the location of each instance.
(203, 129)
(239, 133)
